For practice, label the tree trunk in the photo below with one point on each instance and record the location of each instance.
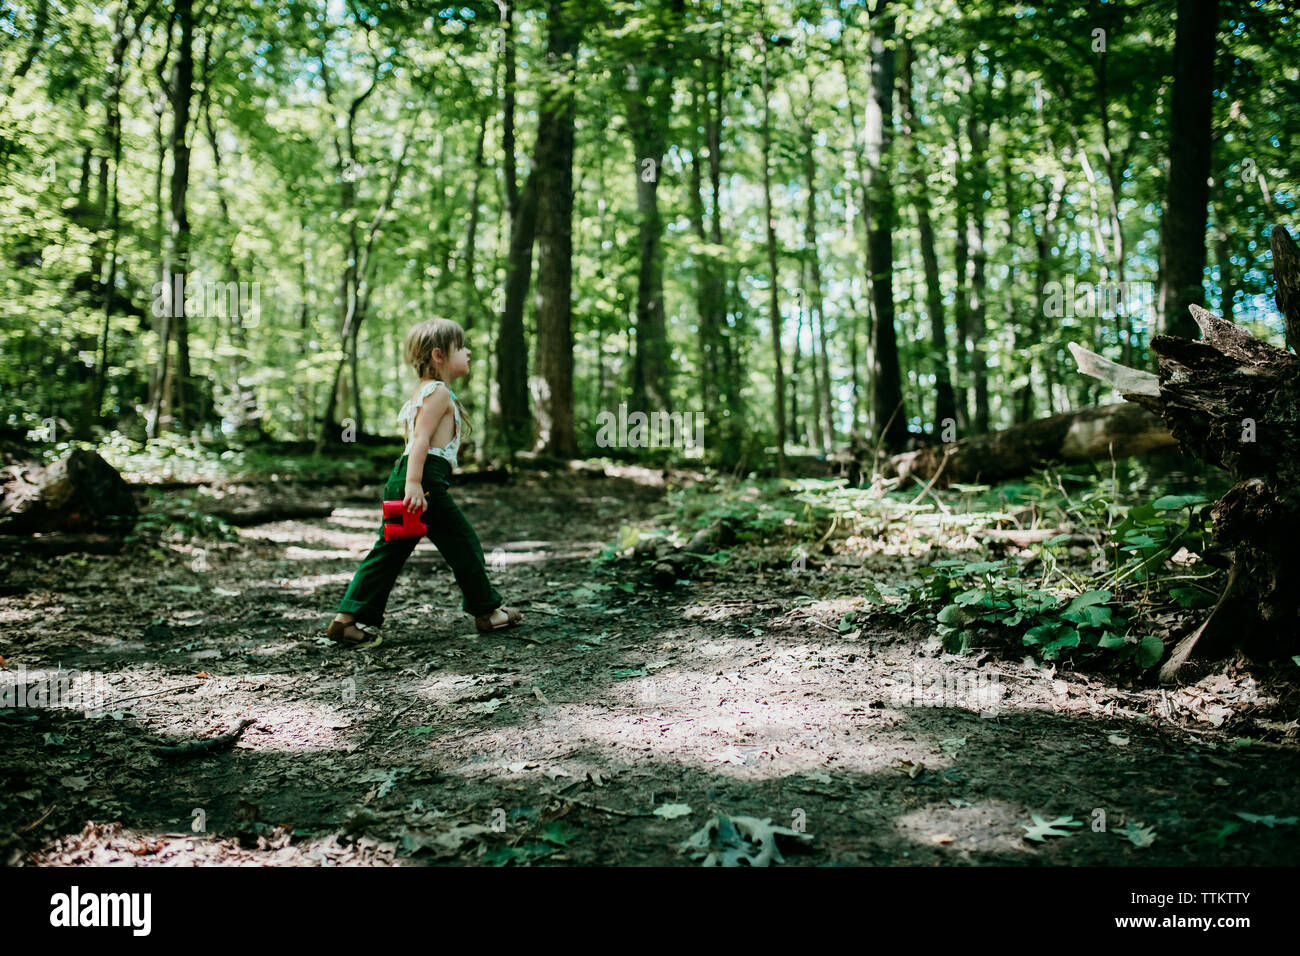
(554, 172)
(178, 254)
(1190, 138)
(521, 210)
(161, 322)
(887, 384)
(978, 133)
(773, 302)
(825, 427)
(649, 106)
(945, 399)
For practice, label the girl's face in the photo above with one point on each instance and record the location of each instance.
(456, 364)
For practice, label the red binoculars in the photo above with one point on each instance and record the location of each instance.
(410, 527)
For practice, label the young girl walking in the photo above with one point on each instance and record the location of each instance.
(422, 479)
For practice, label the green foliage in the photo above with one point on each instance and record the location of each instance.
(984, 599)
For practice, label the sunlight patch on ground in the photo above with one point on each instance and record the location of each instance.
(986, 827)
(298, 534)
(310, 554)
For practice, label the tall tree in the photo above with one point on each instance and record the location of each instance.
(945, 400)
(769, 220)
(553, 167)
(887, 382)
(521, 216)
(177, 256)
(1183, 233)
(648, 97)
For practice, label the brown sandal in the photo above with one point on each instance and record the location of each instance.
(354, 634)
(484, 623)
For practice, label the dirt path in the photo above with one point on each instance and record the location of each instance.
(557, 745)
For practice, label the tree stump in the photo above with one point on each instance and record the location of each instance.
(1234, 401)
(80, 493)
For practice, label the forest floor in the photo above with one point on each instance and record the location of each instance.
(557, 742)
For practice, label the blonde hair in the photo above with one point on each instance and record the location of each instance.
(433, 334)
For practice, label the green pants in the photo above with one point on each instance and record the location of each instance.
(451, 533)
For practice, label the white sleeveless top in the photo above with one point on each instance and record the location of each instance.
(407, 416)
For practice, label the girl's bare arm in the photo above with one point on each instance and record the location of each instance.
(435, 406)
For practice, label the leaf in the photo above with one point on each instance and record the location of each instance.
(1042, 829)
(1150, 651)
(731, 841)
(952, 614)
(671, 811)
(1137, 834)
(1092, 616)
(1270, 821)
(1041, 633)
(1069, 639)
(445, 844)
(1220, 836)
(1173, 502)
(558, 832)
(1088, 599)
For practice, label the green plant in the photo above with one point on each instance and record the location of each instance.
(1152, 533)
(1052, 624)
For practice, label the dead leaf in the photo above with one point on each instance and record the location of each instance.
(731, 841)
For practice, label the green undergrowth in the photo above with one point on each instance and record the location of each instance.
(1147, 571)
(172, 459)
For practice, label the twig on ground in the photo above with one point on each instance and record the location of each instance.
(37, 822)
(611, 810)
(197, 747)
(170, 690)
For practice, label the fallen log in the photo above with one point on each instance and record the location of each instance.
(80, 493)
(1120, 430)
(1234, 401)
